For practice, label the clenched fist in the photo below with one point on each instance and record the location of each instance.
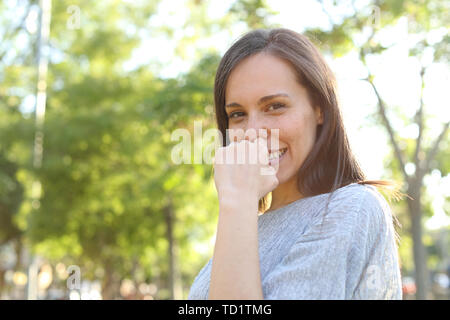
(242, 170)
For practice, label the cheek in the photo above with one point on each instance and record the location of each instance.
(299, 133)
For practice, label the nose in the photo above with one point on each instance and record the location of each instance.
(255, 124)
(258, 126)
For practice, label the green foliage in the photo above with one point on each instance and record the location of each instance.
(106, 175)
(358, 32)
(254, 12)
(11, 195)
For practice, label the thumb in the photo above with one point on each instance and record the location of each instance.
(268, 170)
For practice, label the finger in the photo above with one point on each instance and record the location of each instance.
(230, 153)
(263, 133)
(275, 166)
(236, 134)
(274, 139)
(263, 153)
(250, 134)
(268, 171)
(242, 149)
(253, 151)
(262, 143)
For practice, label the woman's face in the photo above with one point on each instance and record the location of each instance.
(262, 75)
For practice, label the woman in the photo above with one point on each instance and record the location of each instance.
(327, 233)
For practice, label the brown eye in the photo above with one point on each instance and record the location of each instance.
(276, 106)
(235, 114)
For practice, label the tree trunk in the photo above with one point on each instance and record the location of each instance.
(18, 247)
(173, 276)
(419, 252)
(109, 284)
(2, 282)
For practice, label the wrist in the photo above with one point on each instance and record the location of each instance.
(235, 201)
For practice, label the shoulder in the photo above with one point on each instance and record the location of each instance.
(358, 195)
(355, 208)
(362, 199)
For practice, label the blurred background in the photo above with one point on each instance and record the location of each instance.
(91, 205)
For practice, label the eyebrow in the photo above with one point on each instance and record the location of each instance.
(260, 101)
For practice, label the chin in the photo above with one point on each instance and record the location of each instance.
(285, 173)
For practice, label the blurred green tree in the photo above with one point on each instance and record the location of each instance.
(426, 153)
(16, 85)
(112, 202)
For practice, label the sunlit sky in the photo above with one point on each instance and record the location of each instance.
(396, 77)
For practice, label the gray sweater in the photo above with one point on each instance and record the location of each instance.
(346, 252)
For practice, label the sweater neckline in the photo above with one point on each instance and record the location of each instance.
(287, 206)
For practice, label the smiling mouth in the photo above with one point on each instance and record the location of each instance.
(277, 154)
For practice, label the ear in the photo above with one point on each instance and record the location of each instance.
(319, 115)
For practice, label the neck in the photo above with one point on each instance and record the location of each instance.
(285, 194)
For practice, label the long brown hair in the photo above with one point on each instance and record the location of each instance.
(330, 164)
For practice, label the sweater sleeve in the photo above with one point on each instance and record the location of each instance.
(342, 256)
